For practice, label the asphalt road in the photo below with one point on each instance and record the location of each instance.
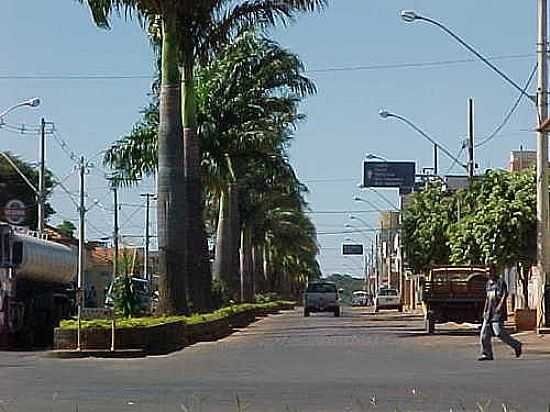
(286, 362)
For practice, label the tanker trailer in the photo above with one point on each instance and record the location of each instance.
(36, 288)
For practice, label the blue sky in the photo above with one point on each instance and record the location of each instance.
(58, 39)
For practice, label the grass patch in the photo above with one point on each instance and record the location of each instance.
(144, 322)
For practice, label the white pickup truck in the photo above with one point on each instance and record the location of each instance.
(321, 297)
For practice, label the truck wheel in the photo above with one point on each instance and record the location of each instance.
(400, 308)
(306, 313)
(430, 326)
(337, 312)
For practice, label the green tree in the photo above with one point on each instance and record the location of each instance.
(14, 187)
(243, 129)
(426, 223)
(67, 228)
(189, 31)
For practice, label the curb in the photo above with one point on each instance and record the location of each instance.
(117, 354)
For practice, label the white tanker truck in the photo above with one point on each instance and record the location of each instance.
(36, 288)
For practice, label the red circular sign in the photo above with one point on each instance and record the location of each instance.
(15, 212)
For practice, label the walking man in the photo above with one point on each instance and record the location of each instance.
(494, 315)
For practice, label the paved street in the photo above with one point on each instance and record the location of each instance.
(287, 362)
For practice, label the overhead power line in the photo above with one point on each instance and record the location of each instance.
(511, 111)
(370, 67)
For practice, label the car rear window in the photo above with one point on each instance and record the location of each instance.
(388, 292)
(321, 288)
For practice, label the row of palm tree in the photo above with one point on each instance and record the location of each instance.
(190, 34)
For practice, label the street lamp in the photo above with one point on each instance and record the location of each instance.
(410, 16)
(352, 217)
(34, 102)
(384, 114)
(360, 199)
(541, 101)
(370, 156)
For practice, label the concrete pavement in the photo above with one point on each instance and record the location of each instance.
(360, 361)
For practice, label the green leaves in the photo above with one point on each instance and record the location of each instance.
(493, 221)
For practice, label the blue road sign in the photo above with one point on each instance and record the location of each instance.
(352, 249)
(389, 174)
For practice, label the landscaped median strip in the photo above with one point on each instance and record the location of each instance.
(156, 335)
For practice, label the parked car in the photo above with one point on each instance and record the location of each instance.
(388, 298)
(360, 298)
(321, 297)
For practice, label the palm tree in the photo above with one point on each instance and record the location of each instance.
(245, 124)
(248, 121)
(171, 233)
(190, 30)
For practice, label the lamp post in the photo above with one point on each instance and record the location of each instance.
(368, 202)
(34, 102)
(353, 217)
(541, 101)
(371, 156)
(384, 114)
(41, 190)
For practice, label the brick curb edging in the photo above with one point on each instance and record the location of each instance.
(151, 340)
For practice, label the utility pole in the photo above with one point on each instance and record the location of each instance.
(435, 160)
(115, 229)
(81, 246)
(42, 179)
(542, 157)
(471, 162)
(148, 197)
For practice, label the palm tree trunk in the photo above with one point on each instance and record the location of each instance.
(247, 281)
(198, 265)
(223, 240)
(259, 276)
(226, 263)
(171, 198)
(267, 278)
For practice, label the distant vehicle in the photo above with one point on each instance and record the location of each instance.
(321, 297)
(454, 294)
(143, 295)
(360, 298)
(388, 298)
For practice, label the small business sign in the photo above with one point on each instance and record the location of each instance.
(389, 174)
(15, 212)
(352, 249)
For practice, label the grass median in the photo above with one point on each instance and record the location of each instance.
(143, 322)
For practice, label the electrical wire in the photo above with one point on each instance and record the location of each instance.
(510, 112)
(384, 198)
(64, 146)
(457, 157)
(372, 67)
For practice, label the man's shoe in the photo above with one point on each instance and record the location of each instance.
(518, 350)
(484, 358)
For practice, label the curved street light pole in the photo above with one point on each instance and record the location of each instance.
(384, 114)
(411, 16)
(371, 156)
(541, 101)
(34, 102)
(353, 217)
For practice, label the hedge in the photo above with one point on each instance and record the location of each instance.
(143, 322)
